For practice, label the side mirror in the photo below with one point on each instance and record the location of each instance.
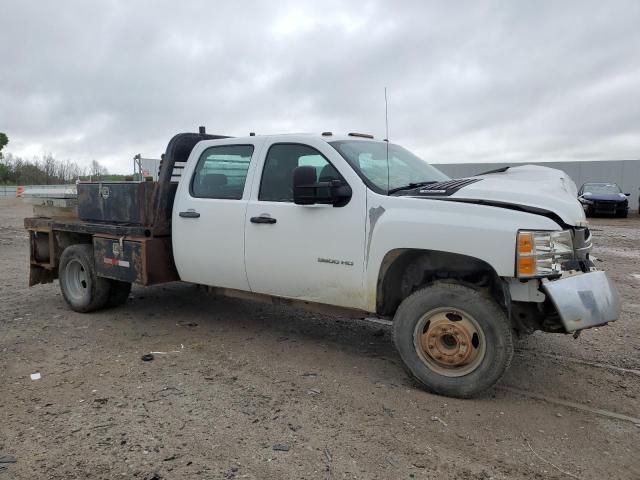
(308, 191)
(628, 194)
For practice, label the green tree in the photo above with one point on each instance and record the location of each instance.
(3, 142)
(4, 169)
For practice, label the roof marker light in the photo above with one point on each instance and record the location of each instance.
(361, 135)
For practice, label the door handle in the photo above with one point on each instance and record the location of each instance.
(189, 214)
(263, 219)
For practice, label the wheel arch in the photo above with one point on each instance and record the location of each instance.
(405, 270)
(46, 247)
(63, 239)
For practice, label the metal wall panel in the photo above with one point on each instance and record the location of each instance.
(7, 191)
(150, 167)
(625, 173)
(48, 191)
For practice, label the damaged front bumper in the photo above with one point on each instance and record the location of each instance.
(584, 300)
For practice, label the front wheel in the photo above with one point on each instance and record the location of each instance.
(453, 339)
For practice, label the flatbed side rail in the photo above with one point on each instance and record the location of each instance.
(78, 226)
(121, 252)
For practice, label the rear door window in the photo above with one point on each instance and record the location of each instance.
(221, 172)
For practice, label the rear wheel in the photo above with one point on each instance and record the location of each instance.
(81, 288)
(118, 293)
(453, 339)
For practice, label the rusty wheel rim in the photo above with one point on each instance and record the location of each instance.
(449, 341)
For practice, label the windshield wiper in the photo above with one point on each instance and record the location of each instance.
(410, 186)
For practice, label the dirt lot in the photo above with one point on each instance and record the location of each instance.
(239, 378)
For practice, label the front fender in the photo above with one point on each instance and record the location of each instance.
(486, 233)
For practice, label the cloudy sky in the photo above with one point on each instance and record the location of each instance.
(477, 81)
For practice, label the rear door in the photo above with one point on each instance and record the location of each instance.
(310, 252)
(209, 213)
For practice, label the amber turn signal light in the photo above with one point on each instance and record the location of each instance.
(526, 266)
(525, 243)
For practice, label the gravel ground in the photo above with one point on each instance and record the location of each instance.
(247, 390)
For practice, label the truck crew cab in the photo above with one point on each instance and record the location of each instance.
(347, 223)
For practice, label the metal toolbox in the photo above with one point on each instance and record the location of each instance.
(142, 260)
(118, 202)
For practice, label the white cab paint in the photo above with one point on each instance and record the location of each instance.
(286, 259)
(223, 248)
(209, 250)
(483, 232)
(531, 185)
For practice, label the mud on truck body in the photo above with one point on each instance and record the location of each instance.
(348, 224)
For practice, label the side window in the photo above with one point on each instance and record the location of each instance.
(221, 172)
(277, 175)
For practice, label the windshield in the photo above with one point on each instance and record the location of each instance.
(601, 188)
(369, 160)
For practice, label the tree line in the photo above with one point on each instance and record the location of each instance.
(45, 170)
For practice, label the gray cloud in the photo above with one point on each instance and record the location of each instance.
(491, 81)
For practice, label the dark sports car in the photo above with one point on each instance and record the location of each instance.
(603, 198)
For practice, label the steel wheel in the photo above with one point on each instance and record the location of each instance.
(77, 281)
(449, 341)
(453, 339)
(81, 288)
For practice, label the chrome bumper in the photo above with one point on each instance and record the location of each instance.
(584, 301)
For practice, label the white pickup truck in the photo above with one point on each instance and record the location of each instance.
(350, 224)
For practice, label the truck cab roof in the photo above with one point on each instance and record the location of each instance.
(326, 136)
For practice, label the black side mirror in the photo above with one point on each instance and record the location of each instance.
(627, 194)
(308, 191)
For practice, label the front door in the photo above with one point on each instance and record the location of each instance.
(310, 252)
(209, 215)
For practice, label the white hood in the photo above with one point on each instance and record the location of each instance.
(531, 185)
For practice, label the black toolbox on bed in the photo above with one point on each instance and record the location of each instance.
(117, 202)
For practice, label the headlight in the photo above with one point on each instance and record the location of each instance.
(540, 254)
(585, 201)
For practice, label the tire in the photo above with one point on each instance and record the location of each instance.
(81, 288)
(118, 293)
(453, 339)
